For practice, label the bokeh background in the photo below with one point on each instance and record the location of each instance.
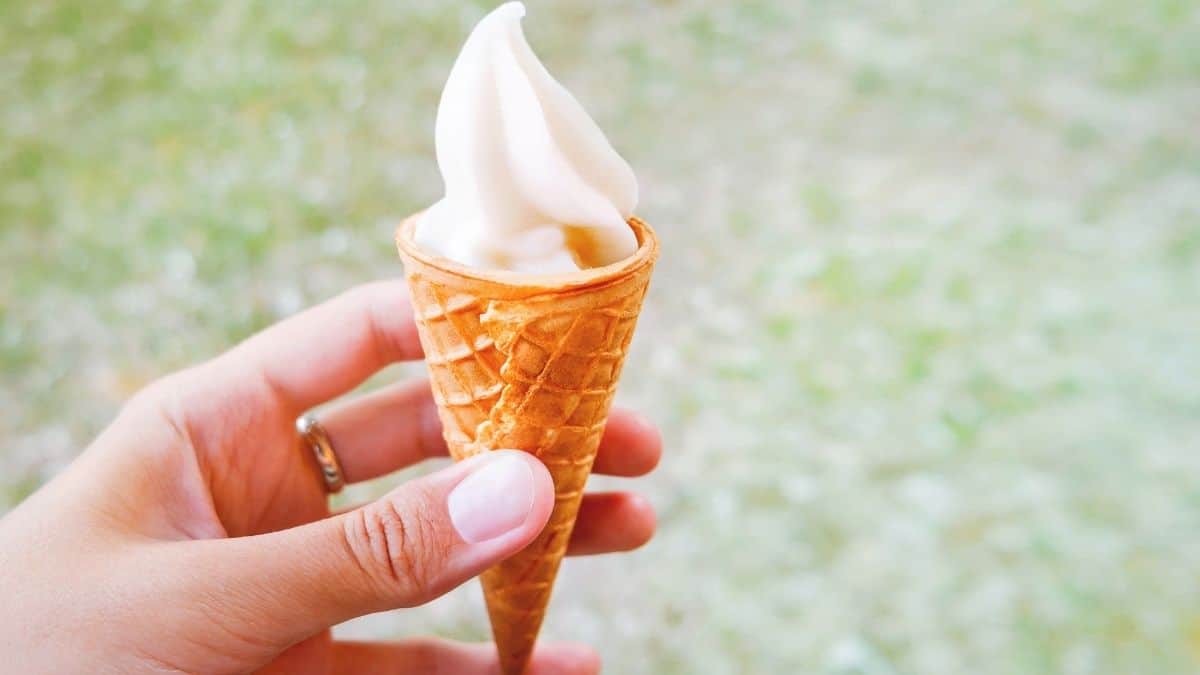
(924, 341)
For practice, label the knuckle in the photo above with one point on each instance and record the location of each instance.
(395, 549)
(157, 395)
(160, 400)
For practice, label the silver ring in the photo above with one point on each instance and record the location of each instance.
(314, 435)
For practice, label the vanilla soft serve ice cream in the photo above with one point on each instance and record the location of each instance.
(532, 184)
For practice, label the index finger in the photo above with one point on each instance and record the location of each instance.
(324, 351)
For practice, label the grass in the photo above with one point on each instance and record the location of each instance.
(923, 341)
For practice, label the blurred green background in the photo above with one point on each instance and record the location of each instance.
(924, 341)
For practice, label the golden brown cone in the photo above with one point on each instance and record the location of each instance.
(528, 362)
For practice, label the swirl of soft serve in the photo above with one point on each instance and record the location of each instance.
(532, 184)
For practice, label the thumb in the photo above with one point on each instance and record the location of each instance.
(414, 544)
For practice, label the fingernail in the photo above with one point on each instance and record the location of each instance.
(496, 498)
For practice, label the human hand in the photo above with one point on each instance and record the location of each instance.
(194, 535)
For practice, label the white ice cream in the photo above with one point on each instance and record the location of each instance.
(532, 184)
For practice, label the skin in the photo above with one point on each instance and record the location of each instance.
(194, 534)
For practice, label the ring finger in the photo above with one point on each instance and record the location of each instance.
(385, 431)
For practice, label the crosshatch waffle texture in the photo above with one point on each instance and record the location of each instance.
(529, 362)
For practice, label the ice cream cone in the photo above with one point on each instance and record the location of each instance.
(527, 362)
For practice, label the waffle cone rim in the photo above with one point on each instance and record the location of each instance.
(516, 285)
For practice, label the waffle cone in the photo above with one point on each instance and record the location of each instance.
(527, 362)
